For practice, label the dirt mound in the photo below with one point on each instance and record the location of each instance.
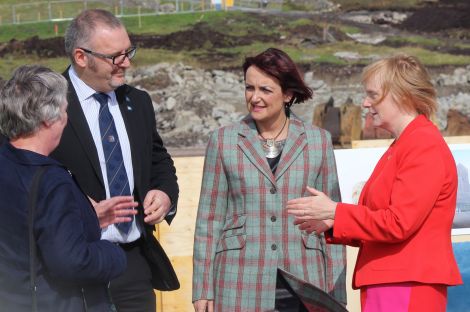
(51, 47)
(447, 19)
(314, 34)
(199, 36)
(446, 14)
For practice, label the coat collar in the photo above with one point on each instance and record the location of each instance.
(77, 122)
(251, 146)
(26, 157)
(419, 122)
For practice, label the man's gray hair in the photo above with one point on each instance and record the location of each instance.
(35, 94)
(82, 28)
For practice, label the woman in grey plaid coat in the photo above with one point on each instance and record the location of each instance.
(252, 168)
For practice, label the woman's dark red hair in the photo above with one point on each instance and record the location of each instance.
(278, 64)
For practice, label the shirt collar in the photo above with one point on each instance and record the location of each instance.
(84, 91)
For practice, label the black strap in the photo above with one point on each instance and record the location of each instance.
(33, 195)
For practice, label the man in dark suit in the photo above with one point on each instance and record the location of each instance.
(112, 146)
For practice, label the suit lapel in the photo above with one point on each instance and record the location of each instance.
(250, 144)
(77, 122)
(295, 144)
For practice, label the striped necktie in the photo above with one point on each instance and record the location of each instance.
(117, 177)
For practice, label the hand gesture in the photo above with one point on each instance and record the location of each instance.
(203, 305)
(114, 210)
(316, 207)
(156, 206)
(314, 226)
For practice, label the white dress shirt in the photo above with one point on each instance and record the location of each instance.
(91, 108)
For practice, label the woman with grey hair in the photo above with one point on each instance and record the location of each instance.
(69, 263)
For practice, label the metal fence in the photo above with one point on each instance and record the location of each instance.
(33, 12)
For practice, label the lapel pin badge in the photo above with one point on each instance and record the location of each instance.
(128, 101)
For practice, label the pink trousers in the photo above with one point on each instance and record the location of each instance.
(404, 297)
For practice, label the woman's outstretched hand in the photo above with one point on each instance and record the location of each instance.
(314, 226)
(316, 207)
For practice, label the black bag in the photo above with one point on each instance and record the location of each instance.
(163, 275)
(32, 198)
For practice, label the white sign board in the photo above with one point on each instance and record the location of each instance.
(356, 165)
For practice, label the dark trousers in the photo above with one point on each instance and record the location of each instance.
(132, 291)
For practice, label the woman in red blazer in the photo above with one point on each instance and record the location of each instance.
(403, 221)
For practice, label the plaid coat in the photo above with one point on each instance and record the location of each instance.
(243, 232)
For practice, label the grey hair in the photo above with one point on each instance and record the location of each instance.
(35, 94)
(82, 28)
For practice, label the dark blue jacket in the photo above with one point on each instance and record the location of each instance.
(73, 265)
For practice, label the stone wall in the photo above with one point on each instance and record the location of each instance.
(189, 103)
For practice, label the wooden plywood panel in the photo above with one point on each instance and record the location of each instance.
(178, 300)
(354, 297)
(387, 142)
(177, 239)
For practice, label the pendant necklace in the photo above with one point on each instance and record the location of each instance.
(270, 146)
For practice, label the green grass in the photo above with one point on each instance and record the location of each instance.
(418, 40)
(40, 11)
(292, 5)
(299, 22)
(463, 45)
(36, 11)
(377, 4)
(234, 24)
(24, 31)
(320, 54)
(10, 62)
(154, 24)
(168, 23)
(145, 57)
(325, 54)
(348, 29)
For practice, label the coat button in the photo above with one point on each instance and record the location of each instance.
(273, 246)
(273, 190)
(273, 218)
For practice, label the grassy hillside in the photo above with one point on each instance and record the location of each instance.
(222, 39)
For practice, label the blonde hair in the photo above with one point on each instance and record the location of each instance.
(407, 81)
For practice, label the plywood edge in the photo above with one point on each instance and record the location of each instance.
(386, 142)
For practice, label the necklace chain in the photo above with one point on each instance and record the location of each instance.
(277, 135)
(270, 147)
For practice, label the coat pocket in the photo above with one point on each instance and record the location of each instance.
(312, 241)
(233, 235)
(231, 243)
(234, 226)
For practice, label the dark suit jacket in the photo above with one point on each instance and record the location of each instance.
(153, 166)
(70, 254)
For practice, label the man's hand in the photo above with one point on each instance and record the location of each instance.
(156, 206)
(115, 210)
(204, 305)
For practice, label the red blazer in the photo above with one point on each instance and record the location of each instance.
(404, 218)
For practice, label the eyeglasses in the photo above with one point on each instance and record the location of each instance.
(117, 59)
